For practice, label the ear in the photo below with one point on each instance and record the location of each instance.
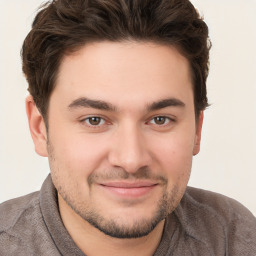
(37, 127)
(198, 133)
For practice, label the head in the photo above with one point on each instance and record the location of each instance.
(118, 89)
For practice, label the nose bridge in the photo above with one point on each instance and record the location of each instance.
(129, 150)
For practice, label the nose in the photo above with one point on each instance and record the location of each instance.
(129, 149)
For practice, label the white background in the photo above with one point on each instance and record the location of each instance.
(227, 161)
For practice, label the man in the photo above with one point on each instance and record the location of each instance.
(117, 94)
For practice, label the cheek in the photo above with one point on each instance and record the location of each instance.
(77, 154)
(174, 154)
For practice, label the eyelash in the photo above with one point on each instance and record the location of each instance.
(90, 118)
(103, 121)
(167, 120)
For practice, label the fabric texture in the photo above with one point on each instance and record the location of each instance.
(204, 223)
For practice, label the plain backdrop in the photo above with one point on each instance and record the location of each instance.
(227, 161)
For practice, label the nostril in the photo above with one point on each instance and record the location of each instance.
(131, 161)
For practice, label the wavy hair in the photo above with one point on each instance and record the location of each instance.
(63, 26)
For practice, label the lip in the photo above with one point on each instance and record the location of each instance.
(129, 189)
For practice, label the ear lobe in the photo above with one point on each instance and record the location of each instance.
(198, 133)
(37, 127)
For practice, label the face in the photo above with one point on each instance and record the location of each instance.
(122, 134)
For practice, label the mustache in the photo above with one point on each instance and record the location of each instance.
(117, 173)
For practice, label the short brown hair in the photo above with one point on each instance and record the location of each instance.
(63, 26)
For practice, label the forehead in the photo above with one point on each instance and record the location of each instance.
(124, 72)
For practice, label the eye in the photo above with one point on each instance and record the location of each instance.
(94, 121)
(160, 120)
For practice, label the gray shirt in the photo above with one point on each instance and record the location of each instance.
(204, 223)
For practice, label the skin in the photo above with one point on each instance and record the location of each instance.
(121, 138)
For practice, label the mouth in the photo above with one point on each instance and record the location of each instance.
(129, 189)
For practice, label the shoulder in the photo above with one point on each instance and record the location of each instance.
(13, 210)
(17, 216)
(23, 229)
(213, 204)
(216, 219)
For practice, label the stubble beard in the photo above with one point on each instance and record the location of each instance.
(120, 229)
(139, 228)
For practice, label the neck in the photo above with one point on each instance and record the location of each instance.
(88, 238)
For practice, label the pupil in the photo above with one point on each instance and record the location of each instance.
(159, 120)
(94, 120)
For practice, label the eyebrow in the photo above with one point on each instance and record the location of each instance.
(171, 102)
(89, 103)
(102, 105)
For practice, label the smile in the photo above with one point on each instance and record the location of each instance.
(129, 190)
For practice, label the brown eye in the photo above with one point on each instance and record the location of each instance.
(94, 121)
(160, 120)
